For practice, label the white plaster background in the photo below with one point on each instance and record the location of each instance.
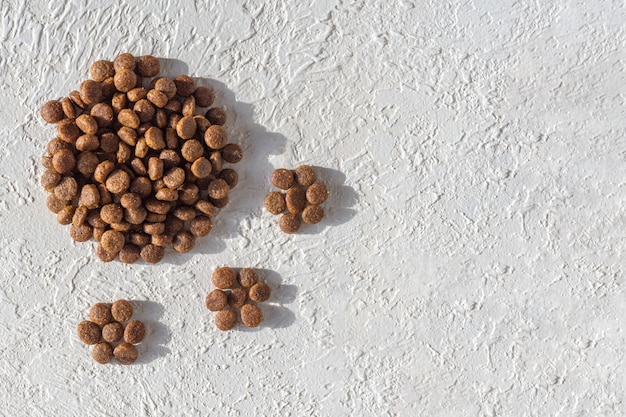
(471, 260)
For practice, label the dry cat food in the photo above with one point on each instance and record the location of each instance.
(301, 199)
(237, 291)
(111, 338)
(138, 161)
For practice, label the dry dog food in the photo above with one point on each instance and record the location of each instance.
(131, 153)
(237, 291)
(302, 199)
(106, 330)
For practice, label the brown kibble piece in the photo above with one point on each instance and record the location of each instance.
(204, 96)
(109, 142)
(86, 163)
(68, 108)
(247, 277)
(189, 107)
(75, 97)
(112, 332)
(206, 207)
(192, 150)
(52, 112)
(282, 178)
(134, 332)
(102, 253)
(237, 297)
(103, 170)
(125, 80)
(232, 153)
(147, 66)
(49, 179)
(100, 314)
(317, 193)
(81, 233)
(112, 241)
(215, 137)
(65, 215)
(68, 131)
(101, 70)
(305, 175)
(144, 110)
(224, 278)
(103, 115)
(55, 204)
(90, 92)
(167, 86)
(112, 213)
(251, 315)
(163, 239)
(118, 181)
(174, 178)
(66, 189)
(55, 145)
(183, 242)
(275, 202)
(129, 254)
(87, 143)
(260, 292)
(216, 300)
(216, 116)
(186, 127)
(167, 194)
(152, 253)
(80, 215)
(102, 353)
(125, 353)
(121, 311)
(295, 200)
(201, 168)
(128, 118)
(136, 94)
(155, 138)
(124, 61)
(158, 98)
(218, 189)
(185, 86)
(313, 214)
(200, 226)
(289, 223)
(63, 161)
(230, 176)
(225, 319)
(89, 332)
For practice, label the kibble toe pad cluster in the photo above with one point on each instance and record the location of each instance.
(135, 164)
(237, 291)
(112, 332)
(301, 199)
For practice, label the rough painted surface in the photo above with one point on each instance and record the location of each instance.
(471, 260)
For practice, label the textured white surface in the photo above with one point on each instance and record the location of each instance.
(471, 259)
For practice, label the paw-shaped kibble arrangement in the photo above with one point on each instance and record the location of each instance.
(136, 164)
(302, 198)
(112, 332)
(237, 291)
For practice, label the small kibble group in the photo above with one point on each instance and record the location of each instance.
(237, 291)
(301, 199)
(108, 325)
(134, 164)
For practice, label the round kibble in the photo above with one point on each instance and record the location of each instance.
(232, 153)
(89, 332)
(152, 253)
(121, 311)
(192, 150)
(128, 118)
(125, 353)
(186, 127)
(275, 202)
(167, 86)
(260, 292)
(144, 110)
(147, 66)
(87, 143)
(251, 315)
(202, 168)
(86, 163)
(63, 161)
(155, 139)
(112, 213)
(112, 241)
(125, 80)
(215, 137)
(112, 332)
(49, 179)
(77, 100)
(225, 319)
(289, 223)
(118, 181)
(52, 112)
(129, 254)
(185, 86)
(55, 204)
(230, 176)
(103, 254)
(305, 175)
(282, 178)
(218, 189)
(65, 215)
(317, 193)
(216, 116)
(247, 277)
(206, 207)
(224, 278)
(204, 96)
(68, 108)
(313, 214)
(183, 242)
(174, 178)
(189, 107)
(81, 233)
(134, 332)
(102, 353)
(68, 131)
(163, 239)
(216, 300)
(66, 189)
(89, 196)
(158, 98)
(100, 313)
(295, 200)
(103, 114)
(237, 297)
(90, 92)
(200, 226)
(101, 70)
